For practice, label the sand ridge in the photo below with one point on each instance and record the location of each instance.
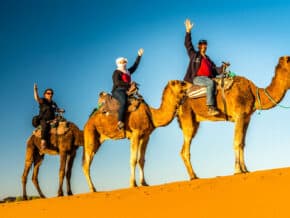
(257, 194)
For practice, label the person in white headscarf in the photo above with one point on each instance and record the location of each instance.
(122, 82)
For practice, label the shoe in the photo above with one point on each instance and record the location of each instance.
(212, 110)
(120, 125)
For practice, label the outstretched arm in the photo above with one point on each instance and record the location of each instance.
(137, 61)
(36, 96)
(188, 43)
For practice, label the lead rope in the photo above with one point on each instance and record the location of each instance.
(270, 98)
(273, 101)
(259, 102)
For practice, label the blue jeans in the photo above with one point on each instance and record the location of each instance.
(121, 96)
(210, 88)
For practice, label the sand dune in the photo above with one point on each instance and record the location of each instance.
(258, 194)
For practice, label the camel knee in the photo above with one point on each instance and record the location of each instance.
(185, 155)
(141, 161)
(238, 146)
(34, 180)
(133, 161)
(24, 179)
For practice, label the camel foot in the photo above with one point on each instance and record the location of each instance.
(133, 184)
(144, 183)
(241, 172)
(193, 177)
(69, 193)
(93, 189)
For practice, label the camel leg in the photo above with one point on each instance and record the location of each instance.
(62, 168)
(37, 162)
(28, 163)
(133, 157)
(70, 162)
(241, 127)
(189, 129)
(91, 146)
(141, 159)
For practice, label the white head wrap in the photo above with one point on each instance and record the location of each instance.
(122, 66)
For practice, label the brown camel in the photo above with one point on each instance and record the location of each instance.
(139, 125)
(242, 100)
(67, 143)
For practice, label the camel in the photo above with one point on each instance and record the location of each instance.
(242, 100)
(67, 143)
(139, 124)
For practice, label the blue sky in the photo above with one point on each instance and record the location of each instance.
(71, 46)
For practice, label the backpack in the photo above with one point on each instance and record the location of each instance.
(36, 121)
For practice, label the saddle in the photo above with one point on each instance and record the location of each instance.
(109, 105)
(196, 91)
(57, 128)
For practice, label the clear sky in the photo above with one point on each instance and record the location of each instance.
(71, 46)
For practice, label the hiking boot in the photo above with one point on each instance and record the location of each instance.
(45, 150)
(212, 110)
(120, 125)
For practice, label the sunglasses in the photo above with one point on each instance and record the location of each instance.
(49, 93)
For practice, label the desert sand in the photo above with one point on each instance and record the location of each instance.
(257, 194)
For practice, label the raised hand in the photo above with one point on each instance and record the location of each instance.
(188, 25)
(140, 51)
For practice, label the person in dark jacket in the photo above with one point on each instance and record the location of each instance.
(47, 110)
(201, 68)
(122, 82)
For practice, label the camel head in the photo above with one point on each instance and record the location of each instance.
(283, 69)
(178, 88)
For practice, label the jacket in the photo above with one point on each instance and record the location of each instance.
(117, 76)
(195, 61)
(47, 110)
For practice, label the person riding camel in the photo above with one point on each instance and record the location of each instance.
(121, 84)
(201, 68)
(47, 113)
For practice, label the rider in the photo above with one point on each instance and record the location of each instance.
(201, 69)
(122, 82)
(47, 110)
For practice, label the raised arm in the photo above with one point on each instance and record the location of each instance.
(137, 61)
(36, 96)
(188, 43)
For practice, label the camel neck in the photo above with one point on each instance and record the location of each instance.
(273, 94)
(166, 112)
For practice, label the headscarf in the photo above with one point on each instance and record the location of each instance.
(122, 66)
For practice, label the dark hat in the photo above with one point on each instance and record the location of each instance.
(202, 41)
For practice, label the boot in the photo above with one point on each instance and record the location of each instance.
(212, 110)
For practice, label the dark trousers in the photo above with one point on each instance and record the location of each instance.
(121, 96)
(45, 128)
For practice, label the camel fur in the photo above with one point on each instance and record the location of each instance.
(67, 143)
(139, 124)
(242, 100)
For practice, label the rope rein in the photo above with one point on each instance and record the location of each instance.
(270, 98)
